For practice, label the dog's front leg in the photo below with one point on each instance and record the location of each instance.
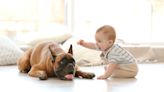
(37, 72)
(24, 62)
(86, 75)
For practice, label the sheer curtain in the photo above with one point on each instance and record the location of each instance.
(136, 21)
(138, 24)
(19, 17)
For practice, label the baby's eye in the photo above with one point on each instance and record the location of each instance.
(98, 41)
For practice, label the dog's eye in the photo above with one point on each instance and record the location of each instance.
(61, 63)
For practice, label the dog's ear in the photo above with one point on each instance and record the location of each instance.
(53, 54)
(70, 49)
(51, 48)
(53, 58)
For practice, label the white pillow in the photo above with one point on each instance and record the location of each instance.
(58, 35)
(83, 56)
(53, 36)
(9, 52)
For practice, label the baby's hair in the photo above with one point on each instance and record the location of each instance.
(108, 31)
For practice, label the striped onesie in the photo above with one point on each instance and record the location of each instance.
(127, 66)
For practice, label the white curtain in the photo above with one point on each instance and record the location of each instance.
(135, 21)
(19, 17)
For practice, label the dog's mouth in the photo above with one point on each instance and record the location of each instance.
(69, 76)
(65, 76)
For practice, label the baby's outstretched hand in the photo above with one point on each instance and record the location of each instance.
(80, 42)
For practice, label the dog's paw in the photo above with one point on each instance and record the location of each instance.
(40, 74)
(89, 75)
(43, 77)
(25, 70)
(86, 75)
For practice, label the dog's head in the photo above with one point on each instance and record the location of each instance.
(64, 65)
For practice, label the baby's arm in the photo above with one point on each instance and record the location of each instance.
(108, 72)
(89, 45)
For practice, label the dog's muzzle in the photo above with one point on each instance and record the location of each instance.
(66, 72)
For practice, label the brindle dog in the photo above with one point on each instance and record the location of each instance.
(47, 59)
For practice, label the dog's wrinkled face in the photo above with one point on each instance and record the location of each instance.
(64, 67)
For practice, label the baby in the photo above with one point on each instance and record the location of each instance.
(121, 63)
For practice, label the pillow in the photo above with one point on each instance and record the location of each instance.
(58, 35)
(53, 36)
(82, 55)
(9, 52)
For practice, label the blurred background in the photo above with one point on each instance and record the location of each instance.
(135, 21)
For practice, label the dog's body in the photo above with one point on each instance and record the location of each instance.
(47, 59)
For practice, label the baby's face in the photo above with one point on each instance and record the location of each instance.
(102, 42)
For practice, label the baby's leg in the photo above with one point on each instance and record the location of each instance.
(118, 73)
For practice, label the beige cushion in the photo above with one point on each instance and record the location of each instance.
(83, 56)
(35, 37)
(53, 36)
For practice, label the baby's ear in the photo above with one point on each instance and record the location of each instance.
(110, 41)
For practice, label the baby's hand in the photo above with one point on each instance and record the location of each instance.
(80, 42)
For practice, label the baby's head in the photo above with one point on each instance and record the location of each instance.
(105, 37)
(107, 32)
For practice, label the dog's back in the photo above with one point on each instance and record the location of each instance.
(36, 55)
(40, 51)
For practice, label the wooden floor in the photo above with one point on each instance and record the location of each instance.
(149, 79)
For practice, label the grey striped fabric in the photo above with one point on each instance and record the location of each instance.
(118, 55)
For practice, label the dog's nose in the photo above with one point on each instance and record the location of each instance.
(70, 65)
